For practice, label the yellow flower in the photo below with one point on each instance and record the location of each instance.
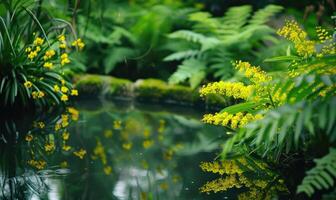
(32, 55)
(81, 153)
(40, 94)
(65, 59)
(28, 84)
(61, 38)
(49, 147)
(74, 92)
(56, 88)
(255, 74)
(38, 49)
(147, 143)
(62, 46)
(293, 32)
(78, 43)
(58, 126)
(64, 98)
(49, 54)
(29, 137)
(40, 125)
(28, 50)
(66, 147)
(127, 146)
(65, 135)
(237, 120)
(74, 113)
(37, 164)
(107, 170)
(64, 89)
(38, 41)
(236, 90)
(117, 124)
(48, 65)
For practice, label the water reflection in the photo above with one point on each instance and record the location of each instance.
(116, 151)
(32, 152)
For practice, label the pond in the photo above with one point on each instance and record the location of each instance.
(122, 150)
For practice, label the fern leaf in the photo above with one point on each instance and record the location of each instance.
(263, 15)
(191, 69)
(320, 176)
(187, 35)
(182, 55)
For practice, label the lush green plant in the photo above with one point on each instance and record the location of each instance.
(286, 115)
(32, 56)
(213, 42)
(127, 36)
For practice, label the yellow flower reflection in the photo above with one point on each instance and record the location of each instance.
(80, 154)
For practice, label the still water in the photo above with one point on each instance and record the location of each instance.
(118, 150)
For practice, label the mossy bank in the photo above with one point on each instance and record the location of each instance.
(145, 91)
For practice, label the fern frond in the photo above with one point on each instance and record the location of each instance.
(263, 15)
(187, 35)
(288, 127)
(322, 176)
(191, 69)
(181, 55)
(234, 19)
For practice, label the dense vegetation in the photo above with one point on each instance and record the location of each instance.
(276, 77)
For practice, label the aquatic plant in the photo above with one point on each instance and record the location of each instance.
(33, 56)
(297, 111)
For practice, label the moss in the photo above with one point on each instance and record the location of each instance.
(93, 85)
(159, 91)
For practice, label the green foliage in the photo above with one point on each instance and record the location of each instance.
(288, 128)
(297, 105)
(24, 41)
(322, 176)
(119, 34)
(215, 42)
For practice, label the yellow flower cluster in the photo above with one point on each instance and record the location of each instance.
(65, 59)
(38, 41)
(48, 65)
(80, 154)
(64, 91)
(255, 74)
(322, 34)
(221, 184)
(74, 113)
(224, 167)
(62, 41)
(33, 53)
(49, 147)
(99, 152)
(38, 94)
(236, 90)
(78, 43)
(233, 121)
(295, 34)
(38, 164)
(49, 54)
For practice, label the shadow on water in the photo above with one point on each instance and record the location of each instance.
(121, 150)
